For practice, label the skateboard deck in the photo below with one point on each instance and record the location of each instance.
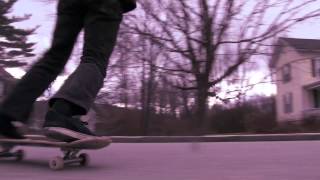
(70, 149)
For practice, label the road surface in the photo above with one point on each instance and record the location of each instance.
(295, 160)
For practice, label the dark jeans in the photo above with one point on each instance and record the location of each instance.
(100, 20)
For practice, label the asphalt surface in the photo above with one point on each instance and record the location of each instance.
(294, 160)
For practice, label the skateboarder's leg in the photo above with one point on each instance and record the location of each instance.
(101, 29)
(18, 104)
(80, 89)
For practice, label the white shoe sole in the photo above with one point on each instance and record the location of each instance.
(64, 134)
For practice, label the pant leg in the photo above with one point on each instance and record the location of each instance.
(100, 32)
(18, 104)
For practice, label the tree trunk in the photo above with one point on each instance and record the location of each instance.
(201, 108)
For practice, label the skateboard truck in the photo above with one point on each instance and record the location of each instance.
(71, 156)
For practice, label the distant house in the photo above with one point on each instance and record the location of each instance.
(297, 66)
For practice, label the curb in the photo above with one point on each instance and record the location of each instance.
(217, 138)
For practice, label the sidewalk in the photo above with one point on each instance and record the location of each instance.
(217, 138)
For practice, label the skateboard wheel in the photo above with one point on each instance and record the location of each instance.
(85, 159)
(56, 163)
(20, 154)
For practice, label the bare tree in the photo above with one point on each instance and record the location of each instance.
(150, 75)
(207, 41)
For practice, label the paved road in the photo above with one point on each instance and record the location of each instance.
(179, 161)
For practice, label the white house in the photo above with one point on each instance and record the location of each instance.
(296, 63)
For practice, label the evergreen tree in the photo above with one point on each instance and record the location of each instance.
(14, 48)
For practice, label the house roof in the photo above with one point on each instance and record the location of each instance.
(301, 45)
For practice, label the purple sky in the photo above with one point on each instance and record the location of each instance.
(42, 15)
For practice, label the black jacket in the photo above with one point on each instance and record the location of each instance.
(128, 5)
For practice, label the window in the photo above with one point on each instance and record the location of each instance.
(315, 66)
(286, 73)
(288, 103)
(316, 98)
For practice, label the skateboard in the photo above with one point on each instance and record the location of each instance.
(70, 150)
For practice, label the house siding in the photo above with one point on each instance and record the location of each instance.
(307, 78)
(301, 78)
(287, 56)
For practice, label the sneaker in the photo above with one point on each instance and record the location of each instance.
(63, 128)
(8, 130)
